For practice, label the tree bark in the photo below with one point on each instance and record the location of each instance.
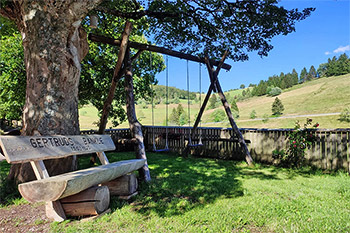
(54, 45)
(134, 124)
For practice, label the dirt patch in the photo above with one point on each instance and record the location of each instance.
(24, 218)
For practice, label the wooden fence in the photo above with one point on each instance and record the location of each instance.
(331, 150)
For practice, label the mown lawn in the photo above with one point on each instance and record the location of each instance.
(206, 195)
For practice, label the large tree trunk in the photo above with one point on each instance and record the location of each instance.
(135, 126)
(54, 45)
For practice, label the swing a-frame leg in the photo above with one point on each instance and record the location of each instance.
(215, 86)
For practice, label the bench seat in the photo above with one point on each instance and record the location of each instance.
(60, 186)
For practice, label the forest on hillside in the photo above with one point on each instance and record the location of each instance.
(274, 84)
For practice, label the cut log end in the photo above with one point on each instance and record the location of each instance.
(123, 186)
(92, 201)
(33, 192)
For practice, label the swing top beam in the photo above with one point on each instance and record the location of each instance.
(153, 48)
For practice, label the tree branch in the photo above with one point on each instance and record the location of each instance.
(136, 14)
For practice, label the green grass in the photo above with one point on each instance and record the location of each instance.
(9, 194)
(324, 95)
(206, 195)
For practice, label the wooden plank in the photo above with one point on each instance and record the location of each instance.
(339, 151)
(328, 150)
(2, 157)
(344, 151)
(57, 187)
(20, 149)
(39, 169)
(103, 158)
(334, 150)
(323, 151)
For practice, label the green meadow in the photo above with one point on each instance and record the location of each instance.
(206, 195)
(324, 95)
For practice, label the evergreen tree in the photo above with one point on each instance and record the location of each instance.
(321, 70)
(176, 113)
(295, 77)
(343, 64)
(312, 74)
(234, 109)
(242, 86)
(183, 119)
(303, 75)
(212, 101)
(277, 107)
(332, 69)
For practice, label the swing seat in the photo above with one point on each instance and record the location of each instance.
(196, 145)
(162, 150)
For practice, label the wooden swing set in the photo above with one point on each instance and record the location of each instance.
(214, 83)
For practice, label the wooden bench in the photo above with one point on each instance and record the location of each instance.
(35, 149)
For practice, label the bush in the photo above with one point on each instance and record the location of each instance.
(253, 114)
(275, 91)
(265, 118)
(218, 115)
(345, 115)
(299, 140)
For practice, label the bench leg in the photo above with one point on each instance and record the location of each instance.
(54, 211)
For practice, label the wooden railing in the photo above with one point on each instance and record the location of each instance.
(331, 150)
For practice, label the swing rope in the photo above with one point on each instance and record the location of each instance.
(152, 102)
(166, 121)
(189, 109)
(167, 104)
(200, 102)
(188, 105)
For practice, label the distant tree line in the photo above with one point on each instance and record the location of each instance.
(173, 92)
(334, 67)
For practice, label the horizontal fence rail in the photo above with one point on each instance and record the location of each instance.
(331, 150)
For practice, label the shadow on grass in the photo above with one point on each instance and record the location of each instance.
(269, 172)
(181, 184)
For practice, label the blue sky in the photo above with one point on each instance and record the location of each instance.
(326, 33)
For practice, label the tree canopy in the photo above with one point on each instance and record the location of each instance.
(212, 26)
(198, 27)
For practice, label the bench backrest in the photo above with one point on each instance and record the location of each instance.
(19, 149)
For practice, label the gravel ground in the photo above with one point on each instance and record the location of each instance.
(24, 218)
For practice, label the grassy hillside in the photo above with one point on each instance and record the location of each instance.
(325, 95)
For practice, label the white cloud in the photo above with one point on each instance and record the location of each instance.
(342, 49)
(327, 53)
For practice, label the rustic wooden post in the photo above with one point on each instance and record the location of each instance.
(116, 77)
(135, 126)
